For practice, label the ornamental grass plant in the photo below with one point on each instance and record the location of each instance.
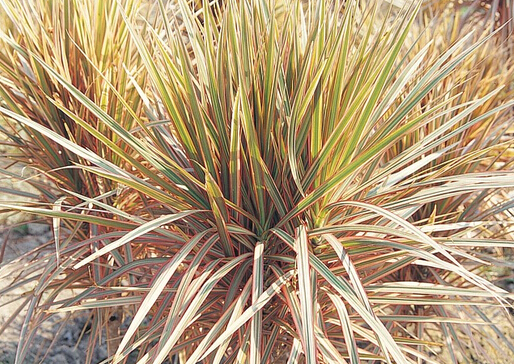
(253, 182)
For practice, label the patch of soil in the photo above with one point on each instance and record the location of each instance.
(67, 339)
(50, 347)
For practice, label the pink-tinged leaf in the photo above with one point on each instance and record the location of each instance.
(308, 338)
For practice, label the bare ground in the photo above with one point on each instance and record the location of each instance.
(67, 342)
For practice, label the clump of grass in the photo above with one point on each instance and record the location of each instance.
(488, 145)
(296, 187)
(94, 54)
(88, 44)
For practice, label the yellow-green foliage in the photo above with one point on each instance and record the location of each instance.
(87, 43)
(253, 183)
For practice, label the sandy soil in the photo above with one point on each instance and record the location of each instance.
(66, 347)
